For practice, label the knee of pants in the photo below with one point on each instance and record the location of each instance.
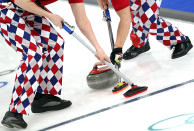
(147, 22)
(58, 43)
(36, 54)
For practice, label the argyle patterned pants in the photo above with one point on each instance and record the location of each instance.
(146, 20)
(41, 67)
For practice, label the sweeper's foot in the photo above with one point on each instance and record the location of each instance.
(14, 120)
(47, 102)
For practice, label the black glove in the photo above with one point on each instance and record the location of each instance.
(116, 56)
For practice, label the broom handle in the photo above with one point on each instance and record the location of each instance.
(107, 18)
(70, 30)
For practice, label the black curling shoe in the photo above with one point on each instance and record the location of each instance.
(134, 51)
(47, 102)
(12, 120)
(182, 49)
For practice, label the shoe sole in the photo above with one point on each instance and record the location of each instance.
(12, 126)
(187, 50)
(7, 125)
(137, 55)
(52, 108)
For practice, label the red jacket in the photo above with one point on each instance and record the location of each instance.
(120, 4)
(47, 2)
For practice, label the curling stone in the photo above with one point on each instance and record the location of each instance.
(101, 77)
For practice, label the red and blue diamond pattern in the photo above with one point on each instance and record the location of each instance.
(41, 67)
(146, 20)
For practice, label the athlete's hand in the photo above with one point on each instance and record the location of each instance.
(102, 56)
(56, 20)
(116, 56)
(104, 4)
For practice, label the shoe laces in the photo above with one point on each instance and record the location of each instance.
(18, 115)
(52, 97)
(132, 48)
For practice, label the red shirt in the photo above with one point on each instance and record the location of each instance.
(76, 1)
(47, 2)
(120, 4)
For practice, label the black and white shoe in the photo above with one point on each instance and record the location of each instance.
(182, 49)
(14, 120)
(47, 102)
(133, 51)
